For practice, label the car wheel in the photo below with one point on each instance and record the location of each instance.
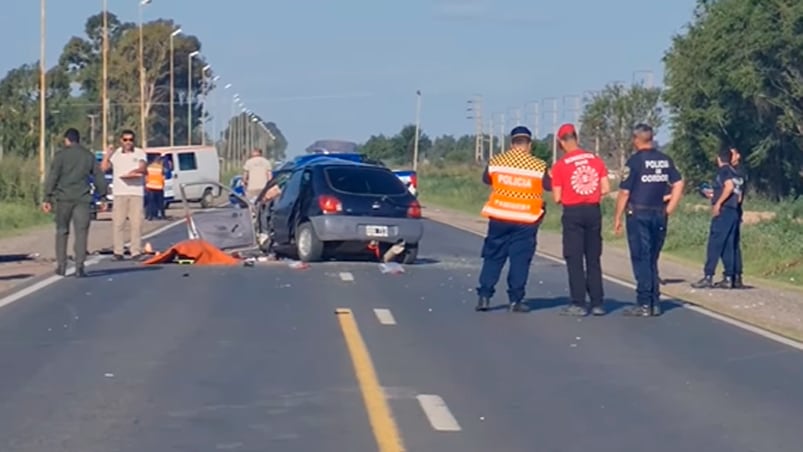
(308, 245)
(409, 255)
(207, 199)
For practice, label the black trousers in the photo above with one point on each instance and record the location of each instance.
(582, 249)
(77, 213)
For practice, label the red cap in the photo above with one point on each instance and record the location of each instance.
(566, 129)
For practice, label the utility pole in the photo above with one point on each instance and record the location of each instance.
(417, 128)
(490, 138)
(554, 128)
(42, 88)
(475, 107)
(537, 117)
(92, 130)
(105, 88)
(502, 133)
(573, 111)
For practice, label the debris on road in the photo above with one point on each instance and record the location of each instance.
(392, 268)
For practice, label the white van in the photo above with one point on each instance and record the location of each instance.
(189, 164)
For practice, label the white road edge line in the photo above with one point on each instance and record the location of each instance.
(438, 413)
(384, 316)
(346, 276)
(714, 315)
(22, 293)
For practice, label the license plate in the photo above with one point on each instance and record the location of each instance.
(376, 231)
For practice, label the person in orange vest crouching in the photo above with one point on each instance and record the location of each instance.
(514, 210)
(154, 189)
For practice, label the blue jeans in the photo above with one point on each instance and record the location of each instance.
(722, 242)
(507, 241)
(646, 233)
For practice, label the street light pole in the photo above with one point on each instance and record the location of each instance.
(417, 129)
(173, 87)
(142, 122)
(42, 88)
(203, 105)
(189, 96)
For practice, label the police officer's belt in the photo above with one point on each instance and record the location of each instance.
(637, 207)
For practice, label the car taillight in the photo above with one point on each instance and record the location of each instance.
(414, 211)
(414, 180)
(329, 204)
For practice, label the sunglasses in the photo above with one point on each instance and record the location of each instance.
(127, 140)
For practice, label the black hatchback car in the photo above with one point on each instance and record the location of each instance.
(331, 206)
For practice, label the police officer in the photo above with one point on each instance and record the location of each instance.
(578, 182)
(67, 186)
(724, 223)
(641, 194)
(740, 178)
(514, 210)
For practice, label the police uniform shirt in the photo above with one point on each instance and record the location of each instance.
(739, 179)
(724, 174)
(647, 174)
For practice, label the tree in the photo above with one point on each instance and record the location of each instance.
(735, 80)
(610, 115)
(74, 89)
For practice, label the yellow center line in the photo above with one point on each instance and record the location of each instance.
(383, 425)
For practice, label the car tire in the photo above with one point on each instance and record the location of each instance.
(207, 199)
(309, 247)
(409, 256)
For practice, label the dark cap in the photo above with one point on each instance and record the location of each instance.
(725, 155)
(643, 128)
(521, 132)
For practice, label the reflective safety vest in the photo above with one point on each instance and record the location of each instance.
(155, 179)
(516, 188)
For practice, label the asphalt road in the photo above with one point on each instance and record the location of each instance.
(180, 358)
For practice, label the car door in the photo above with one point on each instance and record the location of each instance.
(283, 209)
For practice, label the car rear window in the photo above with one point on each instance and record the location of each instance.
(364, 181)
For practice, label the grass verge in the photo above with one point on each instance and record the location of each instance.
(19, 196)
(772, 249)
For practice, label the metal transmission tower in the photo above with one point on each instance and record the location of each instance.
(490, 138)
(475, 113)
(554, 132)
(571, 107)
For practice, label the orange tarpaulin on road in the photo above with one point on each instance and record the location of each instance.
(203, 253)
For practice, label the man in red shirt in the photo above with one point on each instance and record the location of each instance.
(579, 180)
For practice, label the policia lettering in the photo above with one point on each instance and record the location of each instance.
(641, 194)
(514, 211)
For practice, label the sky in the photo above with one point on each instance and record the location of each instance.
(350, 69)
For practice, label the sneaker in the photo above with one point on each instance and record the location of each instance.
(574, 310)
(597, 310)
(725, 283)
(638, 311)
(518, 307)
(705, 283)
(737, 282)
(483, 304)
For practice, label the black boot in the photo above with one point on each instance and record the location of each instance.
(725, 283)
(706, 283)
(61, 270)
(80, 272)
(638, 311)
(737, 282)
(483, 304)
(656, 308)
(518, 306)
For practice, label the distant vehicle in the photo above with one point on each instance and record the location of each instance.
(190, 164)
(349, 151)
(330, 206)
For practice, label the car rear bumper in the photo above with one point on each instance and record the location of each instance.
(347, 228)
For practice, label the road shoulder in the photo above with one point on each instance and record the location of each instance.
(776, 310)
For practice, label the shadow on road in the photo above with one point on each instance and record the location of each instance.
(6, 258)
(121, 270)
(16, 276)
(611, 306)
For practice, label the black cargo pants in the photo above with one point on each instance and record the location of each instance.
(582, 249)
(78, 213)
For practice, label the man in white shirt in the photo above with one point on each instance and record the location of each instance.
(256, 174)
(128, 165)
